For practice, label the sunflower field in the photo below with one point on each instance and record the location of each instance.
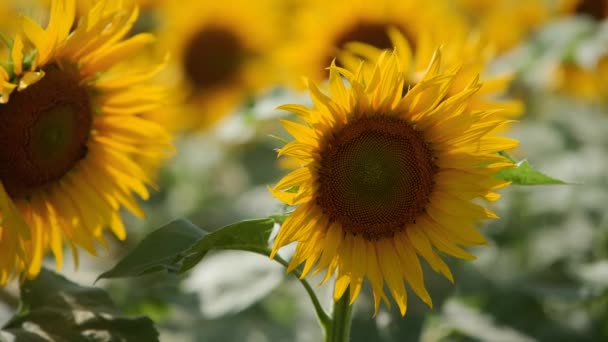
(303, 170)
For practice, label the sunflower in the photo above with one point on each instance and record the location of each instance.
(322, 28)
(490, 17)
(389, 173)
(463, 47)
(586, 80)
(71, 130)
(219, 50)
(589, 83)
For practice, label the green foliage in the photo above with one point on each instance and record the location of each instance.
(180, 245)
(279, 218)
(56, 309)
(163, 249)
(525, 174)
(248, 235)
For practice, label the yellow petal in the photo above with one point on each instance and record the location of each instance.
(391, 270)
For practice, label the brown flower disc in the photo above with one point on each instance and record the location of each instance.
(213, 57)
(44, 131)
(598, 9)
(375, 176)
(374, 34)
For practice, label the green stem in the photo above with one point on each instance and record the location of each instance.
(339, 330)
(321, 314)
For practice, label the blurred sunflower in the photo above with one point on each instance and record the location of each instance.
(147, 20)
(321, 29)
(219, 50)
(67, 159)
(596, 9)
(490, 17)
(5, 13)
(584, 82)
(462, 48)
(147, 4)
(387, 177)
(587, 81)
(8, 17)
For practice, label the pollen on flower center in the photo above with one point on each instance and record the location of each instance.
(598, 9)
(213, 56)
(44, 130)
(375, 176)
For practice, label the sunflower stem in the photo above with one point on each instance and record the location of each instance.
(323, 317)
(321, 314)
(339, 330)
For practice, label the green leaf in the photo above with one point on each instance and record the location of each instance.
(163, 249)
(56, 309)
(525, 174)
(279, 218)
(250, 235)
(180, 245)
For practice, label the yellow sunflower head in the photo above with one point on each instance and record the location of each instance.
(389, 173)
(219, 50)
(72, 126)
(322, 28)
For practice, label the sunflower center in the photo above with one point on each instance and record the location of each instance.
(598, 9)
(374, 34)
(213, 56)
(44, 130)
(375, 176)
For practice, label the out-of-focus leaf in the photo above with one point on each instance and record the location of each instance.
(180, 245)
(249, 235)
(251, 278)
(525, 174)
(163, 249)
(56, 309)
(461, 322)
(279, 218)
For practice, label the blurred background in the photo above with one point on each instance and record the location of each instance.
(544, 276)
